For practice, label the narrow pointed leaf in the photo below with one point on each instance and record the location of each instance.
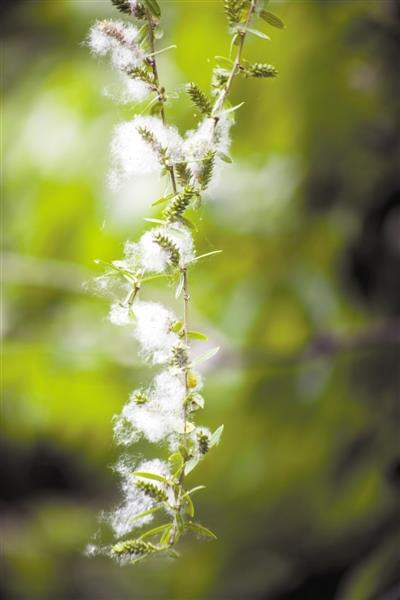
(206, 255)
(153, 7)
(259, 34)
(189, 506)
(272, 19)
(225, 157)
(179, 287)
(145, 513)
(192, 464)
(195, 489)
(206, 356)
(162, 200)
(201, 529)
(154, 476)
(216, 436)
(154, 531)
(197, 335)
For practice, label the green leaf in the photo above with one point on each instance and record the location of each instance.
(176, 327)
(193, 490)
(145, 513)
(225, 157)
(206, 356)
(201, 529)
(177, 463)
(153, 7)
(206, 255)
(179, 287)
(173, 553)
(272, 19)
(151, 277)
(259, 34)
(197, 335)
(231, 109)
(189, 506)
(154, 531)
(165, 536)
(216, 436)
(158, 221)
(192, 464)
(153, 476)
(162, 200)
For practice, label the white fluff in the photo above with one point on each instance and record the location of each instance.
(206, 137)
(152, 330)
(135, 90)
(150, 257)
(135, 501)
(119, 40)
(132, 155)
(120, 314)
(160, 417)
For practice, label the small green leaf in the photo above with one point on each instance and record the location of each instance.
(145, 513)
(162, 200)
(225, 157)
(216, 436)
(158, 221)
(230, 110)
(177, 463)
(259, 34)
(193, 490)
(206, 356)
(189, 506)
(201, 529)
(154, 531)
(206, 255)
(165, 536)
(176, 327)
(179, 287)
(154, 476)
(272, 19)
(153, 7)
(173, 553)
(197, 335)
(192, 464)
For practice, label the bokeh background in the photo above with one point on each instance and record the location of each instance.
(304, 490)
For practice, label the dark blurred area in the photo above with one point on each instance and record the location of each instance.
(304, 491)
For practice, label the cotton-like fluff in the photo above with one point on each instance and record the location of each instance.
(207, 137)
(153, 330)
(150, 257)
(158, 418)
(135, 501)
(118, 39)
(120, 315)
(135, 90)
(133, 155)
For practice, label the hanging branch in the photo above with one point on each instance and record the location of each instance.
(165, 410)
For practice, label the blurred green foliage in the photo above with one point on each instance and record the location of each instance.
(304, 490)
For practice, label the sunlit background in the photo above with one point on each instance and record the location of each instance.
(304, 490)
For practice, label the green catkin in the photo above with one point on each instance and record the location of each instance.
(207, 169)
(203, 443)
(260, 70)
(150, 138)
(233, 10)
(178, 205)
(151, 490)
(180, 358)
(183, 173)
(142, 74)
(169, 246)
(199, 99)
(133, 548)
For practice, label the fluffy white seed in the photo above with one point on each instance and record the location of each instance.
(132, 155)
